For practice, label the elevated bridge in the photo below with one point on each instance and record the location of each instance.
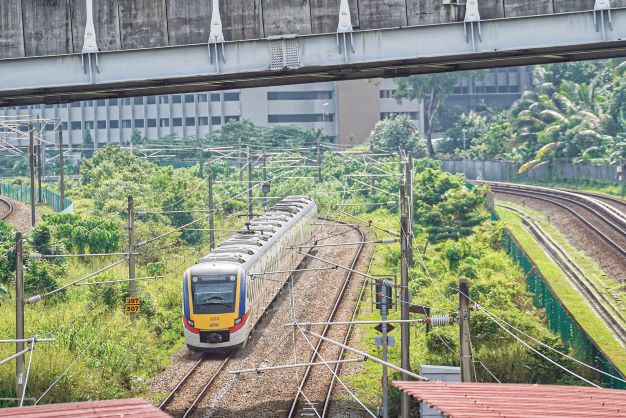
(56, 51)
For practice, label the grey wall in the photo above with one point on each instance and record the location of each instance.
(50, 27)
(506, 171)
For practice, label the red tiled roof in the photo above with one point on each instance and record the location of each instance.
(480, 400)
(127, 408)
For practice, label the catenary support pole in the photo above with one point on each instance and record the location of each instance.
(319, 161)
(201, 163)
(383, 312)
(249, 163)
(240, 161)
(31, 165)
(61, 170)
(19, 314)
(410, 207)
(404, 296)
(132, 286)
(266, 202)
(39, 170)
(211, 212)
(465, 348)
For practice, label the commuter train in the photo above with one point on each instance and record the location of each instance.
(226, 292)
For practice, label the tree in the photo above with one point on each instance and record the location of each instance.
(136, 138)
(467, 130)
(88, 144)
(397, 132)
(432, 88)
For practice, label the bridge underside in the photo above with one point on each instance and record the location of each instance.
(392, 52)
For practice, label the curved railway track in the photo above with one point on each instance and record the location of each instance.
(605, 221)
(606, 308)
(296, 408)
(7, 208)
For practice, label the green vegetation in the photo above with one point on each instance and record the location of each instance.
(563, 289)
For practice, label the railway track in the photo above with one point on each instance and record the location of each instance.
(187, 383)
(603, 305)
(606, 221)
(6, 208)
(299, 409)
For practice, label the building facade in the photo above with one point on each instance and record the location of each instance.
(345, 111)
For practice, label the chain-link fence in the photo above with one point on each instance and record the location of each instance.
(22, 194)
(559, 319)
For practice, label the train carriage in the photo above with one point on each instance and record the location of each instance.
(226, 292)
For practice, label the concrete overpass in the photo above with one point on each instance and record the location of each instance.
(55, 51)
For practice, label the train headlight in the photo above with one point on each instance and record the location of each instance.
(238, 321)
(190, 323)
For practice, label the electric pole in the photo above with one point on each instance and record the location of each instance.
(39, 170)
(211, 211)
(384, 310)
(319, 161)
(132, 286)
(19, 314)
(61, 170)
(31, 164)
(240, 163)
(249, 161)
(465, 349)
(404, 298)
(409, 198)
(266, 203)
(200, 163)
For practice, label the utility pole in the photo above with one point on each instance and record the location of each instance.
(404, 298)
(39, 170)
(249, 161)
(201, 163)
(384, 310)
(319, 161)
(266, 203)
(61, 170)
(132, 286)
(623, 192)
(211, 211)
(465, 348)
(240, 163)
(31, 164)
(409, 198)
(19, 314)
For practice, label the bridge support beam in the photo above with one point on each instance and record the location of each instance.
(378, 53)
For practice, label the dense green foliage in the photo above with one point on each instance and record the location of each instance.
(395, 133)
(574, 112)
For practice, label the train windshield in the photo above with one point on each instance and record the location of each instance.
(213, 294)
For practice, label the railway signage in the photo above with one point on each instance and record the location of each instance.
(132, 305)
(379, 327)
(379, 341)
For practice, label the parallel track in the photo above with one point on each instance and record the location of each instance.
(9, 208)
(609, 216)
(600, 303)
(339, 298)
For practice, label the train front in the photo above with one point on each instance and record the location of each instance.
(215, 309)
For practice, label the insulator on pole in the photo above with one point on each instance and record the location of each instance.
(440, 320)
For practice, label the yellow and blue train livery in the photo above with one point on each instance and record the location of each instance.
(226, 292)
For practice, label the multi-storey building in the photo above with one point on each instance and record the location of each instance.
(344, 111)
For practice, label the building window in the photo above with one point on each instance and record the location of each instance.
(189, 98)
(176, 99)
(385, 115)
(177, 121)
(190, 121)
(49, 127)
(231, 97)
(301, 118)
(138, 100)
(215, 97)
(216, 120)
(64, 126)
(127, 124)
(227, 118)
(164, 99)
(387, 94)
(139, 123)
(151, 123)
(202, 98)
(102, 124)
(89, 124)
(299, 95)
(164, 123)
(88, 103)
(126, 101)
(76, 126)
(112, 102)
(74, 104)
(49, 106)
(100, 102)
(114, 124)
(151, 100)
(202, 121)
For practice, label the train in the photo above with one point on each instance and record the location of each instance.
(226, 292)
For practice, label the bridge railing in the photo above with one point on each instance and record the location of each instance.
(49, 197)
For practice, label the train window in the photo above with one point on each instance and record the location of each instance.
(213, 294)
